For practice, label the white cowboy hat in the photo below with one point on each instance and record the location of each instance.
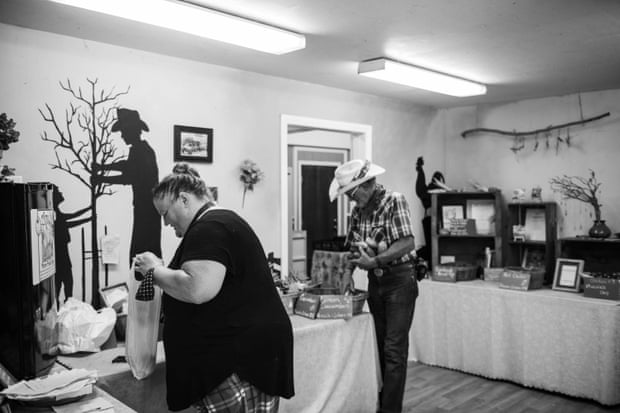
(351, 174)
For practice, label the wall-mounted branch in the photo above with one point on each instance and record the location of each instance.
(543, 131)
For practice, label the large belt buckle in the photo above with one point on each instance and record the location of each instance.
(378, 272)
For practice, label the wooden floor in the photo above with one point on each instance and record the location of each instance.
(435, 389)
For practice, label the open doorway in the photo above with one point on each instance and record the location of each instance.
(353, 141)
(313, 217)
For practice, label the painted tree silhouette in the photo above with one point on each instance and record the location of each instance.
(81, 140)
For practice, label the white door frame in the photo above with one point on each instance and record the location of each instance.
(361, 147)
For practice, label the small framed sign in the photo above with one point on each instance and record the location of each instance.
(450, 213)
(193, 144)
(568, 275)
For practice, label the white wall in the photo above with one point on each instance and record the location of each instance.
(487, 158)
(243, 109)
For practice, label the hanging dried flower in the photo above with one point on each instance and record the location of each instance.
(250, 176)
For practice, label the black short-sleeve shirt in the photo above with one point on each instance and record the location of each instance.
(244, 329)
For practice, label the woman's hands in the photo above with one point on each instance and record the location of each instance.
(145, 261)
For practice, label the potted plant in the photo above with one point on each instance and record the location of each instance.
(585, 190)
(8, 135)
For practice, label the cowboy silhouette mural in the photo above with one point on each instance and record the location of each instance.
(141, 172)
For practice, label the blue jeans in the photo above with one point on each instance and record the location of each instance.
(391, 299)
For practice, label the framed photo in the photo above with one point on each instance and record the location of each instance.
(115, 296)
(567, 274)
(193, 144)
(449, 212)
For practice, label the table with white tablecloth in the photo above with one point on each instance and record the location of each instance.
(336, 369)
(547, 339)
(336, 366)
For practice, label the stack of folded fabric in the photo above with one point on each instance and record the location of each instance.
(55, 388)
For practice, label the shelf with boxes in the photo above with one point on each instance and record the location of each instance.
(601, 264)
(463, 226)
(532, 236)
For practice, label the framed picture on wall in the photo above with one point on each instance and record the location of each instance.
(193, 144)
(568, 274)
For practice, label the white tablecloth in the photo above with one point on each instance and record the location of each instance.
(546, 339)
(336, 370)
(336, 366)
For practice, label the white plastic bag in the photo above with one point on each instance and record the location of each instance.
(142, 331)
(81, 328)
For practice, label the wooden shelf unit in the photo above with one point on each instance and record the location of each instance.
(599, 255)
(516, 250)
(468, 248)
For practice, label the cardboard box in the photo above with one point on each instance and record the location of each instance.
(493, 274)
(517, 278)
(330, 304)
(599, 287)
(454, 272)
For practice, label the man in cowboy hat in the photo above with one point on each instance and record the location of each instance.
(141, 172)
(380, 231)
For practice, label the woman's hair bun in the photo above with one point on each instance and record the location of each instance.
(184, 168)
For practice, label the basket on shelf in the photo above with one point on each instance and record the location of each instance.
(453, 272)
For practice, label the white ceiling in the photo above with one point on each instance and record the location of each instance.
(520, 48)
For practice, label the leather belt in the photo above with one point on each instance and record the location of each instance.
(393, 269)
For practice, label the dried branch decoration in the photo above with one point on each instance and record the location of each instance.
(520, 136)
(581, 189)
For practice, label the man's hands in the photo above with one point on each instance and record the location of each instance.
(363, 256)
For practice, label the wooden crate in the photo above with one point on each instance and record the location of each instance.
(493, 274)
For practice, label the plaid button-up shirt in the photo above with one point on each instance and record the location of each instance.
(389, 221)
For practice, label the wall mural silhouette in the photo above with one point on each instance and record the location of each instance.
(140, 171)
(62, 223)
(84, 149)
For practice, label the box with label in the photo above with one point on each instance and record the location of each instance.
(518, 278)
(493, 274)
(453, 272)
(307, 305)
(599, 287)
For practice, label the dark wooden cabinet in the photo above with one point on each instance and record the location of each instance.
(467, 246)
(538, 248)
(598, 255)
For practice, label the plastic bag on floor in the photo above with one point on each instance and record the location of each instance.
(142, 331)
(82, 328)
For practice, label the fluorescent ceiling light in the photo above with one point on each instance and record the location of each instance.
(420, 78)
(199, 21)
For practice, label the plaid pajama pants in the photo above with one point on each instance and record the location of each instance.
(234, 395)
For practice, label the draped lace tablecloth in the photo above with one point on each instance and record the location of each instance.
(336, 366)
(552, 340)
